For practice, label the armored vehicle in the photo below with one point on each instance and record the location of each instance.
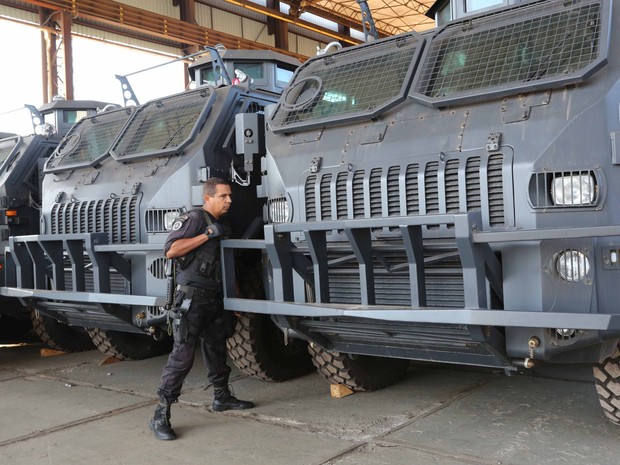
(112, 190)
(451, 197)
(21, 163)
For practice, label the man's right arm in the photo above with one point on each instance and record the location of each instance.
(181, 247)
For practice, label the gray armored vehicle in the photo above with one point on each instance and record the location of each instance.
(21, 163)
(451, 197)
(445, 197)
(112, 190)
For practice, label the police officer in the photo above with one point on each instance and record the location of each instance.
(200, 317)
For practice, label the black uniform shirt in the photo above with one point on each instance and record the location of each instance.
(186, 226)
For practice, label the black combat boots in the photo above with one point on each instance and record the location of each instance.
(225, 400)
(160, 424)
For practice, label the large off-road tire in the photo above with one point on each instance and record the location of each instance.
(128, 346)
(607, 381)
(60, 336)
(257, 348)
(358, 373)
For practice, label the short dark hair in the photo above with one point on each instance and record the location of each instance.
(211, 184)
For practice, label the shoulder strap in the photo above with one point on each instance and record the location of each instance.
(206, 216)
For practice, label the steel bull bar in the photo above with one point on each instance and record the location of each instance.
(479, 265)
(70, 277)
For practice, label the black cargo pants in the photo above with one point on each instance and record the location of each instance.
(203, 323)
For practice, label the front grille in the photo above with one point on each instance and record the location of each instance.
(426, 189)
(444, 279)
(116, 216)
(118, 283)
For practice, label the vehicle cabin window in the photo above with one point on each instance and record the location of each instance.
(283, 76)
(443, 15)
(73, 116)
(255, 71)
(473, 5)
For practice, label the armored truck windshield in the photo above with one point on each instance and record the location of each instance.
(504, 52)
(88, 142)
(164, 126)
(325, 90)
(8, 147)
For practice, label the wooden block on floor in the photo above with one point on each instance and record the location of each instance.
(108, 360)
(45, 352)
(340, 390)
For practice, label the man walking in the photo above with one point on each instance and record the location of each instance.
(194, 244)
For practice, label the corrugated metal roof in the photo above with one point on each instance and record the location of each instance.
(390, 16)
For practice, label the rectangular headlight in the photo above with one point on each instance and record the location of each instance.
(573, 189)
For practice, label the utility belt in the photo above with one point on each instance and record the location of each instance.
(185, 322)
(202, 291)
(189, 292)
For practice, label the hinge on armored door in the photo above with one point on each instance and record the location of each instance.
(493, 141)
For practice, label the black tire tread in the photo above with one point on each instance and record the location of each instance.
(607, 382)
(128, 346)
(360, 374)
(247, 350)
(59, 336)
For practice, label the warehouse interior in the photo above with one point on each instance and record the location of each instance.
(177, 28)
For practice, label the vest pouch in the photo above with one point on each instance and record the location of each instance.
(184, 261)
(209, 266)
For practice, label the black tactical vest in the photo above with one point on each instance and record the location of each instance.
(201, 267)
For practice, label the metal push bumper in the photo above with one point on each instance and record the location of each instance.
(69, 277)
(474, 247)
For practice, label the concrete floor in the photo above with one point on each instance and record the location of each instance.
(69, 409)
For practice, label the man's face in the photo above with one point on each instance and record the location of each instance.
(219, 203)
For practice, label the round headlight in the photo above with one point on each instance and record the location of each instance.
(572, 265)
(573, 190)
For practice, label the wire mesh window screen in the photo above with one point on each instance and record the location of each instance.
(355, 83)
(7, 146)
(542, 42)
(88, 141)
(164, 126)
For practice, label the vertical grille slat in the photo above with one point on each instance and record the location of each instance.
(341, 196)
(326, 197)
(375, 193)
(431, 187)
(358, 194)
(452, 186)
(496, 190)
(310, 192)
(411, 186)
(393, 194)
(472, 181)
